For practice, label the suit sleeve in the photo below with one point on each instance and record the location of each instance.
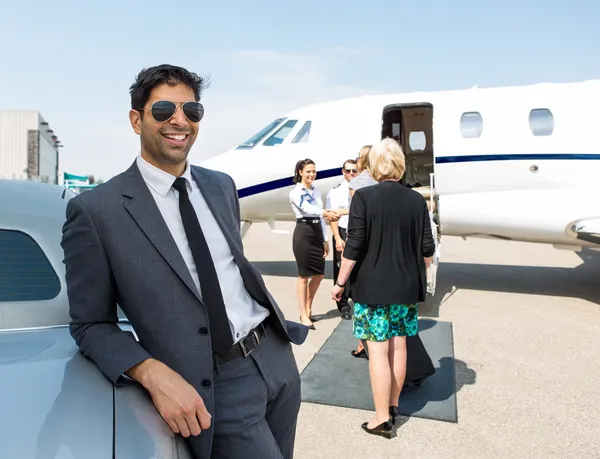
(93, 299)
(236, 199)
(428, 244)
(357, 228)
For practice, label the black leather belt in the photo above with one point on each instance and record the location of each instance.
(245, 346)
(308, 220)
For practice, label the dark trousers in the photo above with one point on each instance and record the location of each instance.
(257, 400)
(342, 305)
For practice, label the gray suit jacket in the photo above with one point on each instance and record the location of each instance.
(118, 249)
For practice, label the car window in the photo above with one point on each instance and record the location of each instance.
(25, 272)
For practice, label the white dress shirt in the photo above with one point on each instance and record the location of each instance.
(243, 311)
(308, 204)
(339, 198)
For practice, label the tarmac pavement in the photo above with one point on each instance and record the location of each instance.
(526, 325)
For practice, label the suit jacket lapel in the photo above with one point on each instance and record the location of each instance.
(145, 212)
(212, 194)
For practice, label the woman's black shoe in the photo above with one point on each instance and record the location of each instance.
(312, 327)
(394, 413)
(383, 430)
(360, 355)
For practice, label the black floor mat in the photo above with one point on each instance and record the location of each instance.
(334, 377)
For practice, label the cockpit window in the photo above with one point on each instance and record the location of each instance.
(303, 134)
(252, 141)
(280, 134)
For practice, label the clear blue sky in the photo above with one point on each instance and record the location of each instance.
(74, 61)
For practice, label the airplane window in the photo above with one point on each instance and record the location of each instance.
(303, 134)
(259, 135)
(541, 121)
(471, 125)
(417, 141)
(280, 134)
(26, 273)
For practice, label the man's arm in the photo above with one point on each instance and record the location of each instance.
(333, 223)
(93, 298)
(335, 229)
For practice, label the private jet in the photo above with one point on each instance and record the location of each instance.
(518, 163)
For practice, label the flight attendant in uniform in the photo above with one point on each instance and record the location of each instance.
(310, 242)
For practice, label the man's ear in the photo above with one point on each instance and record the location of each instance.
(136, 121)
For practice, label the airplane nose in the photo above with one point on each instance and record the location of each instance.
(232, 164)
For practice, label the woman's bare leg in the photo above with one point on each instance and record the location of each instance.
(359, 346)
(381, 381)
(302, 293)
(313, 286)
(397, 361)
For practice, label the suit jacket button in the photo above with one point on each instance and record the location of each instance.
(203, 331)
(206, 383)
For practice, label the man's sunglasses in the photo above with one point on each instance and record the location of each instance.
(348, 171)
(163, 110)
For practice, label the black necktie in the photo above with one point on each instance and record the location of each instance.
(209, 282)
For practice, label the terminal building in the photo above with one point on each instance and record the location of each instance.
(29, 148)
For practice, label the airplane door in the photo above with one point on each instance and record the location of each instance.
(412, 125)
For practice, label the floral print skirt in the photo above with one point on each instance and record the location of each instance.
(380, 322)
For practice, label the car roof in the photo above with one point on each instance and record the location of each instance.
(21, 197)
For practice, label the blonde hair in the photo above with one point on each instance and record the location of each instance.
(386, 160)
(362, 161)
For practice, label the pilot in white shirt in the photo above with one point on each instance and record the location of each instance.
(338, 199)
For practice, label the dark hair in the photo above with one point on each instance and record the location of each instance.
(351, 161)
(152, 77)
(299, 167)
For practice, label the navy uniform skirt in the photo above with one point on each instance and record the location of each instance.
(307, 243)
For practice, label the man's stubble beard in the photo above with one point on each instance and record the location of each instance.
(162, 153)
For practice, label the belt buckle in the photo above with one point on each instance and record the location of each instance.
(244, 350)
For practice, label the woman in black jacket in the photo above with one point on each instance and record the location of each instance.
(388, 245)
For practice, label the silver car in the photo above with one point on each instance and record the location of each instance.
(55, 403)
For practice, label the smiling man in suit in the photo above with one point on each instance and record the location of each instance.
(162, 240)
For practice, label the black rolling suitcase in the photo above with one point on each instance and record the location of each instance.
(418, 363)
